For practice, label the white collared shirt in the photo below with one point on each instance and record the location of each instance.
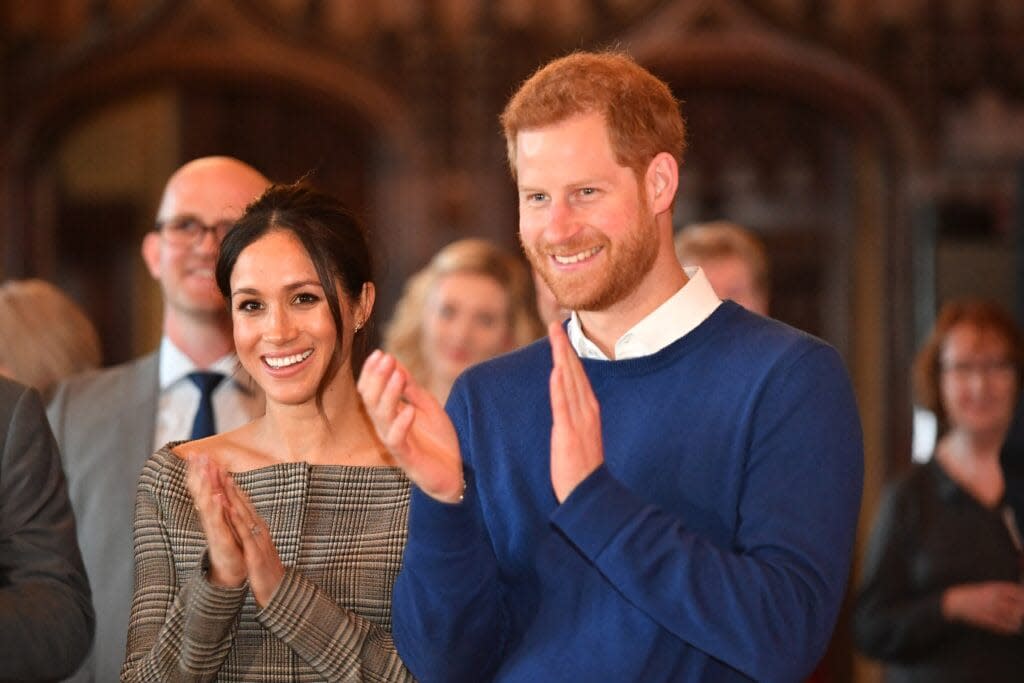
(236, 400)
(673, 319)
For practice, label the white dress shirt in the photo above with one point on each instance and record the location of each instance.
(236, 400)
(673, 319)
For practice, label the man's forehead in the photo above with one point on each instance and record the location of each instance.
(579, 145)
(209, 196)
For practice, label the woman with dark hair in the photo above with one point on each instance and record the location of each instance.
(269, 552)
(942, 598)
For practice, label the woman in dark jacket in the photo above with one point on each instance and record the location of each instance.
(942, 598)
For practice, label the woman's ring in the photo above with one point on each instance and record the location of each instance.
(256, 530)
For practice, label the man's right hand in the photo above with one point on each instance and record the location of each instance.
(413, 426)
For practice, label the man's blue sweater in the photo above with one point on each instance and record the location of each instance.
(712, 545)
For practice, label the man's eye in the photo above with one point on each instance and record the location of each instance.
(185, 225)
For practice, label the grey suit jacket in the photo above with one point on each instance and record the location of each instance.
(46, 619)
(104, 422)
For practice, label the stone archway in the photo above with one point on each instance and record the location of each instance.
(217, 48)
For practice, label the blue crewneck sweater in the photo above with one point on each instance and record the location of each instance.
(712, 545)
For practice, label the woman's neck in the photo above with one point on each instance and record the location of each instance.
(973, 462)
(972, 448)
(338, 432)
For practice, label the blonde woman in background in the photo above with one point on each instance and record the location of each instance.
(44, 336)
(472, 302)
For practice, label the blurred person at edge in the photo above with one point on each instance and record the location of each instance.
(108, 422)
(46, 617)
(44, 336)
(470, 303)
(941, 598)
(733, 259)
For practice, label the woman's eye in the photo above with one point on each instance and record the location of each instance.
(306, 298)
(249, 306)
(487, 320)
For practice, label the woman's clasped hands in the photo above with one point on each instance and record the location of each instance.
(238, 539)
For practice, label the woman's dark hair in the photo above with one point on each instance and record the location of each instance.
(334, 239)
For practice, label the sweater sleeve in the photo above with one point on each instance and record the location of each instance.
(765, 605)
(891, 622)
(448, 592)
(337, 644)
(173, 635)
(46, 617)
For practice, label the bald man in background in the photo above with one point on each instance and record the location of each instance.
(109, 422)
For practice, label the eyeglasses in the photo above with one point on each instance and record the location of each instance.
(188, 230)
(986, 368)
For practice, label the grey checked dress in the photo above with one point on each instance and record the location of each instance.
(339, 530)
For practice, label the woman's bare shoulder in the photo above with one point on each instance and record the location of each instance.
(218, 447)
(234, 451)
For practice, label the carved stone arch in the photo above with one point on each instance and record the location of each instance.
(721, 43)
(222, 42)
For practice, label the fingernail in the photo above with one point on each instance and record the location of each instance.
(374, 356)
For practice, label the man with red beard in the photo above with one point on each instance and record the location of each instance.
(667, 488)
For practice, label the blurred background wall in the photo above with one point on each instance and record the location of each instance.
(876, 145)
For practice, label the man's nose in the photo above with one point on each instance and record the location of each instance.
(562, 221)
(209, 240)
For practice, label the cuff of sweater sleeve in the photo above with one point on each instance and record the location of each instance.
(594, 512)
(446, 526)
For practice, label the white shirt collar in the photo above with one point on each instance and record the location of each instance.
(175, 365)
(674, 318)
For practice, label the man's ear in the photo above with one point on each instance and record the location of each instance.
(662, 181)
(151, 253)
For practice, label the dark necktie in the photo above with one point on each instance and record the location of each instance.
(203, 425)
